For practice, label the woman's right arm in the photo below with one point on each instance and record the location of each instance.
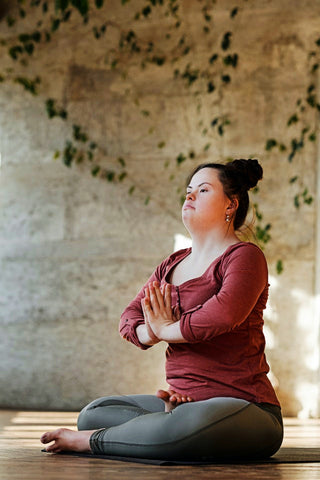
(132, 322)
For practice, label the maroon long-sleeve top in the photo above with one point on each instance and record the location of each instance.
(222, 323)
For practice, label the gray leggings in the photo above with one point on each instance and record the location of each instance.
(218, 428)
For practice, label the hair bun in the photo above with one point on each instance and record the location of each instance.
(248, 172)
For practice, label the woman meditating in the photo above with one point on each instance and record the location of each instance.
(206, 303)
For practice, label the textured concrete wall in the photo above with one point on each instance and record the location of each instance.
(75, 250)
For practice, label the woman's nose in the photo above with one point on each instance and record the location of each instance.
(189, 196)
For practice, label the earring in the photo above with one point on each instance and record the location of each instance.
(227, 218)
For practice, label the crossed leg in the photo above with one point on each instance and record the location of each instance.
(65, 439)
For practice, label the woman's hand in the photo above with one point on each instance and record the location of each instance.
(157, 310)
(172, 399)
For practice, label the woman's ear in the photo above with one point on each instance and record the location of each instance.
(232, 206)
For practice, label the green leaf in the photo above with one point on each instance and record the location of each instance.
(225, 44)
(226, 78)
(109, 175)
(56, 154)
(29, 48)
(14, 51)
(24, 37)
(82, 6)
(36, 36)
(68, 154)
(99, 3)
(312, 137)
(263, 233)
(50, 107)
(161, 144)
(279, 267)
(131, 190)
(66, 16)
(158, 60)
(147, 200)
(122, 161)
(146, 11)
(271, 142)
(61, 5)
(293, 119)
(293, 179)
(95, 170)
(206, 147)
(312, 100)
(29, 85)
(231, 60)
(122, 176)
(296, 201)
(213, 58)
(145, 113)
(55, 23)
(10, 21)
(78, 134)
(211, 87)
(181, 158)
(308, 199)
(233, 12)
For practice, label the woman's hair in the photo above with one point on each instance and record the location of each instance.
(237, 177)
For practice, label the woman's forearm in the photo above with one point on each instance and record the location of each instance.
(171, 333)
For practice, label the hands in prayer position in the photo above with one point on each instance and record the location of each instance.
(157, 311)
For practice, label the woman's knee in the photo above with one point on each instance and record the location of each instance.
(105, 412)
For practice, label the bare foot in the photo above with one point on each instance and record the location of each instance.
(65, 439)
(172, 399)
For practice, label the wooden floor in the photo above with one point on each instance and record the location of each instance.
(21, 457)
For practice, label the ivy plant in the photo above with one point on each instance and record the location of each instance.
(209, 77)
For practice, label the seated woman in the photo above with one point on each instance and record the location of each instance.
(206, 303)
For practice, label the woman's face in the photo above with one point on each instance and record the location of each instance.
(206, 203)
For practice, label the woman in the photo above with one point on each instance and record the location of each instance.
(206, 302)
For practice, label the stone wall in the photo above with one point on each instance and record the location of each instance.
(75, 249)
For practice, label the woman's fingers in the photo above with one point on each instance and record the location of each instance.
(167, 298)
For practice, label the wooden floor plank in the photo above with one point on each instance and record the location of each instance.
(21, 457)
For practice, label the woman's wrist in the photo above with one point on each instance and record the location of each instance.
(146, 336)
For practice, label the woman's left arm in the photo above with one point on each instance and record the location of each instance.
(244, 290)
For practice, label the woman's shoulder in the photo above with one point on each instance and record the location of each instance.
(244, 253)
(177, 255)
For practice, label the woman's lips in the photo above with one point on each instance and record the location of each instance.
(187, 206)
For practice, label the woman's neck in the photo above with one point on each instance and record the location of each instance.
(212, 244)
